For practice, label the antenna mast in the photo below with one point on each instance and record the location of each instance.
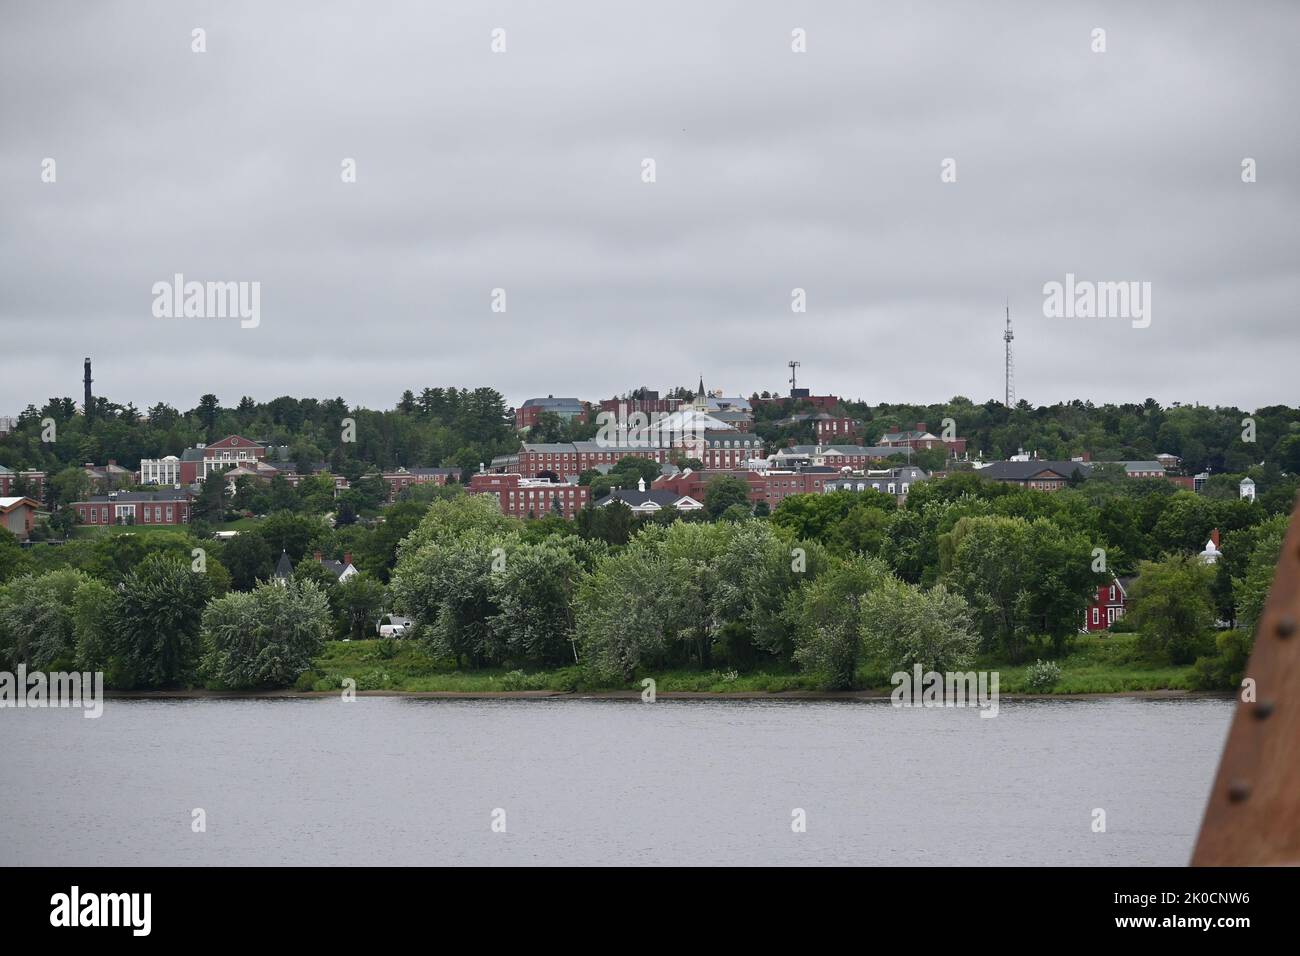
(1007, 336)
(793, 372)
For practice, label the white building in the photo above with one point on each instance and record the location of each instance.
(1247, 489)
(160, 471)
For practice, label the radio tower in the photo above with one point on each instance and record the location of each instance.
(794, 366)
(1007, 336)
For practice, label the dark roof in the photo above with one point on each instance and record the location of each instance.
(123, 497)
(284, 567)
(1026, 470)
(434, 471)
(551, 402)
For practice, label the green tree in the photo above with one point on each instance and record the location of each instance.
(248, 558)
(724, 491)
(904, 625)
(361, 600)
(154, 622)
(1172, 608)
(534, 592)
(826, 618)
(266, 637)
(37, 622)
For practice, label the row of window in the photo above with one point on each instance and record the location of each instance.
(148, 514)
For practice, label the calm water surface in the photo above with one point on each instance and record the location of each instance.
(402, 781)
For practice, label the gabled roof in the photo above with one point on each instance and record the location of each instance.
(910, 434)
(633, 498)
(9, 504)
(235, 441)
(284, 567)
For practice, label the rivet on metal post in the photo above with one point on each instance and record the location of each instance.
(1238, 790)
(1263, 710)
(1285, 625)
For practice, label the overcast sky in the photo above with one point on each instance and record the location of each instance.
(775, 170)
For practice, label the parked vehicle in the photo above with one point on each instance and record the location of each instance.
(390, 625)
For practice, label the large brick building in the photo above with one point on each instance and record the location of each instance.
(30, 482)
(531, 497)
(565, 459)
(890, 481)
(171, 506)
(729, 449)
(648, 403)
(233, 451)
(772, 487)
(404, 478)
(568, 409)
(854, 457)
(921, 438)
(1038, 474)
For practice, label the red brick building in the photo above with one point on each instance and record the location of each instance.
(727, 450)
(403, 478)
(921, 438)
(648, 405)
(569, 409)
(231, 452)
(564, 459)
(530, 497)
(170, 507)
(34, 482)
(772, 487)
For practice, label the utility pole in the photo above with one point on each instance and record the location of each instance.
(1007, 336)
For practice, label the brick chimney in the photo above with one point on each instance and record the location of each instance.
(1214, 536)
(317, 555)
(920, 426)
(347, 558)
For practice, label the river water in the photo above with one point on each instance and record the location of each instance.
(385, 780)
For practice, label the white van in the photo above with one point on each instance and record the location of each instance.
(390, 625)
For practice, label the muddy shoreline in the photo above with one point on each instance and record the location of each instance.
(856, 695)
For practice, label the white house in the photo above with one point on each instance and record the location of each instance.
(1247, 489)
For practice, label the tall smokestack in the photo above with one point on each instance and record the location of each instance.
(90, 401)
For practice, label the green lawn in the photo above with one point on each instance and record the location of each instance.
(99, 531)
(1095, 665)
(1103, 664)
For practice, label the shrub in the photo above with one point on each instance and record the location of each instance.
(1042, 675)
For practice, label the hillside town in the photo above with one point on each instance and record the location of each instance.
(692, 440)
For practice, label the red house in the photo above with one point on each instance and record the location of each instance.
(1108, 606)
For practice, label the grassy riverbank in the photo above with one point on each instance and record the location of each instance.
(1095, 665)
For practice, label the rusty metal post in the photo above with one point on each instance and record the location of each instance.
(1253, 815)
